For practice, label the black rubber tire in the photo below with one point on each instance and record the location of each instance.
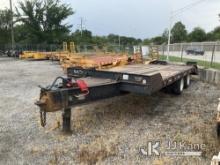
(187, 81)
(177, 87)
(167, 89)
(218, 130)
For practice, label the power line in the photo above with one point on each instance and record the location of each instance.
(175, 13)
(81, 25)
(187, 7)
(12, 24)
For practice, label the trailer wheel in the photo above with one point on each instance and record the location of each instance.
(178, 86)
(187, 81)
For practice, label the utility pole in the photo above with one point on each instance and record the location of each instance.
(12, 28)
(119, 42)
(81, 26)
(169, 38)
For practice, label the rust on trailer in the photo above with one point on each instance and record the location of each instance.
(52, 101)
(48, 101)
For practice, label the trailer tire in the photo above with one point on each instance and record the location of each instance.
(177, 87)
(187, 81)
(218, 129)
(167, 89)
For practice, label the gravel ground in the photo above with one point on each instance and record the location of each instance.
(106, 132)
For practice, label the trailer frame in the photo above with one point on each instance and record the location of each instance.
(117, 83)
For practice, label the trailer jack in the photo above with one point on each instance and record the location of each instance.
(67, 120)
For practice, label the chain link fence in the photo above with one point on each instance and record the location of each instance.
(206, 54)
(59, 47)
(105, 48)
(32, 47)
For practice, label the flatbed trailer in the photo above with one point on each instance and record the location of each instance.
(86, 85)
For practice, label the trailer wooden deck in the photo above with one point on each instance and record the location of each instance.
(166, 71)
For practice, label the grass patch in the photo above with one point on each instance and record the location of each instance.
(97, 150)
(205, 64)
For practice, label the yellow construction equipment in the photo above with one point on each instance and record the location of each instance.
(65, 47)
(33, 55)
(72, 47)
(57, 55)
(97, 60)
(69, 58)
(154, 53)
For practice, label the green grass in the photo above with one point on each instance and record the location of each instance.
(205, 64)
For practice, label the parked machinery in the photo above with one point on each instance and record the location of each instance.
(69, 57)
(33, 55)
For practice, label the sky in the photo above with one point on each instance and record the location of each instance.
(138, 18)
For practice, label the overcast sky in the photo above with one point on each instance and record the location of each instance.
(138, 18)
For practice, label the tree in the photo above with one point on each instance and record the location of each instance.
(179, 33)
(146, 41)
(157, 40)
(113, 39)
(216, 33)
(84, 37)
(100, 40)
(5, 17)
(197, 35)
(165, 35)
(210, 36)
(21, 35)
(43, 20)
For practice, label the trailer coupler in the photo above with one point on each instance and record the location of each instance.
(52, 101)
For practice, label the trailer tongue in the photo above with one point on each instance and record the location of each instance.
(87, 85)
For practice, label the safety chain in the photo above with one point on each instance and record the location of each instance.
(43, 118)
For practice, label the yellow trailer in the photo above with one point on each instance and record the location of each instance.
(33, 55)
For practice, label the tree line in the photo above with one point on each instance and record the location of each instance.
(180, 34)
(43, 22)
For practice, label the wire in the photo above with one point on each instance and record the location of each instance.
(187, 7)
(52, 85)
(55, 81)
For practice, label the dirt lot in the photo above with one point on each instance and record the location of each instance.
(107, 132)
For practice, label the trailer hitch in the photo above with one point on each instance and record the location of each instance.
(52, 101)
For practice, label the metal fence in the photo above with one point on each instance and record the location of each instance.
(59, 47)
(32, 47)
(105, 48)
(206, 54)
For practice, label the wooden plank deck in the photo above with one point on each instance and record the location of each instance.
(166, 71)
